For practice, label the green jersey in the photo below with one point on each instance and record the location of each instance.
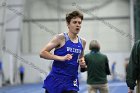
(97, 67)
(133, 68)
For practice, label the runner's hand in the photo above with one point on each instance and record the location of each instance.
(82, 63)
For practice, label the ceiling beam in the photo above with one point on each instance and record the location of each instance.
(88, 19)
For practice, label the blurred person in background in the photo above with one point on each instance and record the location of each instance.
(126, 61)
(1, 74)
(21, 73)
(133, 69)
(97, 69)
(113, 71)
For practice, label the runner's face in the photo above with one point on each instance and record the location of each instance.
(75, 25)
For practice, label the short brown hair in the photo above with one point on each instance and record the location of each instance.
(73, 14)
(94, 45)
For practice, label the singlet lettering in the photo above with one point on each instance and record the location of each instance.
(74, 50)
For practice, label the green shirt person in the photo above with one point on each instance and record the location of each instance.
(97, 69)
(133, 68)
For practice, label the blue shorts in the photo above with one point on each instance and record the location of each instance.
(58, 83)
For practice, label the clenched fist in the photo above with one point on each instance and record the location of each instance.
(66, 57)
(130, 91)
